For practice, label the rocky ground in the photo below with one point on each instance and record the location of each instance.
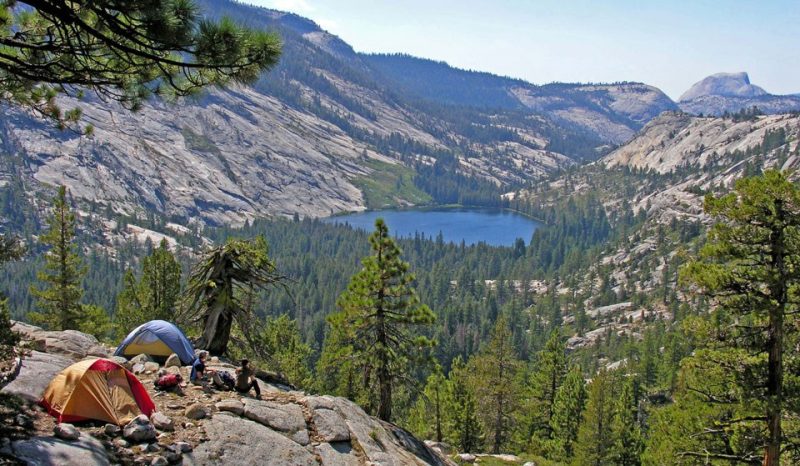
(195, 427)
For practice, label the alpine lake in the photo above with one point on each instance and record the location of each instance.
(495, 227)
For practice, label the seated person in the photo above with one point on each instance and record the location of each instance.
(199, 375)
(245, 379)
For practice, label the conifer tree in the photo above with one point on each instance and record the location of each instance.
(221, 285)
(58, 300)
(495, 378)
(336, 369)
(380, 307)
(161, 283)
(550, 370)
(123, 50)
(567, 412)
(10, 249)
(750, 266)
(432, 414)
(466, 424)
(628, 442)
(155, 296)
(595, 439)
(129, 312)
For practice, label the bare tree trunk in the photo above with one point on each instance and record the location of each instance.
(217, 331)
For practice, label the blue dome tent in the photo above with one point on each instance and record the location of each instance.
(157, 338)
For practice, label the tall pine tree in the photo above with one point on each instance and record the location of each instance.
(431, 416)
(548, 375)
(495, 378)
(751, 267)
(595, 437)
(379, 309)
(466, 424)
(58, 300)
(10, 249)
(568, 408)
(628, 442)
(155, 296)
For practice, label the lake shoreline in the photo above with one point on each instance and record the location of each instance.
(493, 226)
(434, 207)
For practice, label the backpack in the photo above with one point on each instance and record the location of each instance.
(168, 381)
(227, 379)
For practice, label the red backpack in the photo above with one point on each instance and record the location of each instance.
(168, 381)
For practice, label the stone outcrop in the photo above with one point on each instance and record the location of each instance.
(287, 427)
(173, 361)
(66, 432)
(234, 440)
(287, 418)
(678, 140)
(70, 343)
(196, 411)
(36, 372)
(162, 422)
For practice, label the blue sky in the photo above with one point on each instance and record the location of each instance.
(669, 44)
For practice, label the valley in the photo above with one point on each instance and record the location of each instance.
(556, 259)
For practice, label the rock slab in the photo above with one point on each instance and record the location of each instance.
(233, 440)
(35, 374)
(330, 426)
(195, 411)
(52, 451)
(139, 429)
(232, 406)
(173, 361)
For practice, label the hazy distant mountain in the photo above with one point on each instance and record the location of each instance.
(724, 84)
(731, 92)
(610, 112)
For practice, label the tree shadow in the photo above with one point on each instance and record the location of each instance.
(16, 423)
(17, 419)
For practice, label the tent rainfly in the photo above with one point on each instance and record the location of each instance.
(96, 389)
(157, 338)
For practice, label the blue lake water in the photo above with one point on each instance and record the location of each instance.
(492, 226)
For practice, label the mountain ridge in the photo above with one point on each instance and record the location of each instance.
(310, 137)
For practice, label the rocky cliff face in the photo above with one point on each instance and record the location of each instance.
(676, 141)
(701, 154)
(731, 92)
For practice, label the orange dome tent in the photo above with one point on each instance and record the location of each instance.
(96, 389)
